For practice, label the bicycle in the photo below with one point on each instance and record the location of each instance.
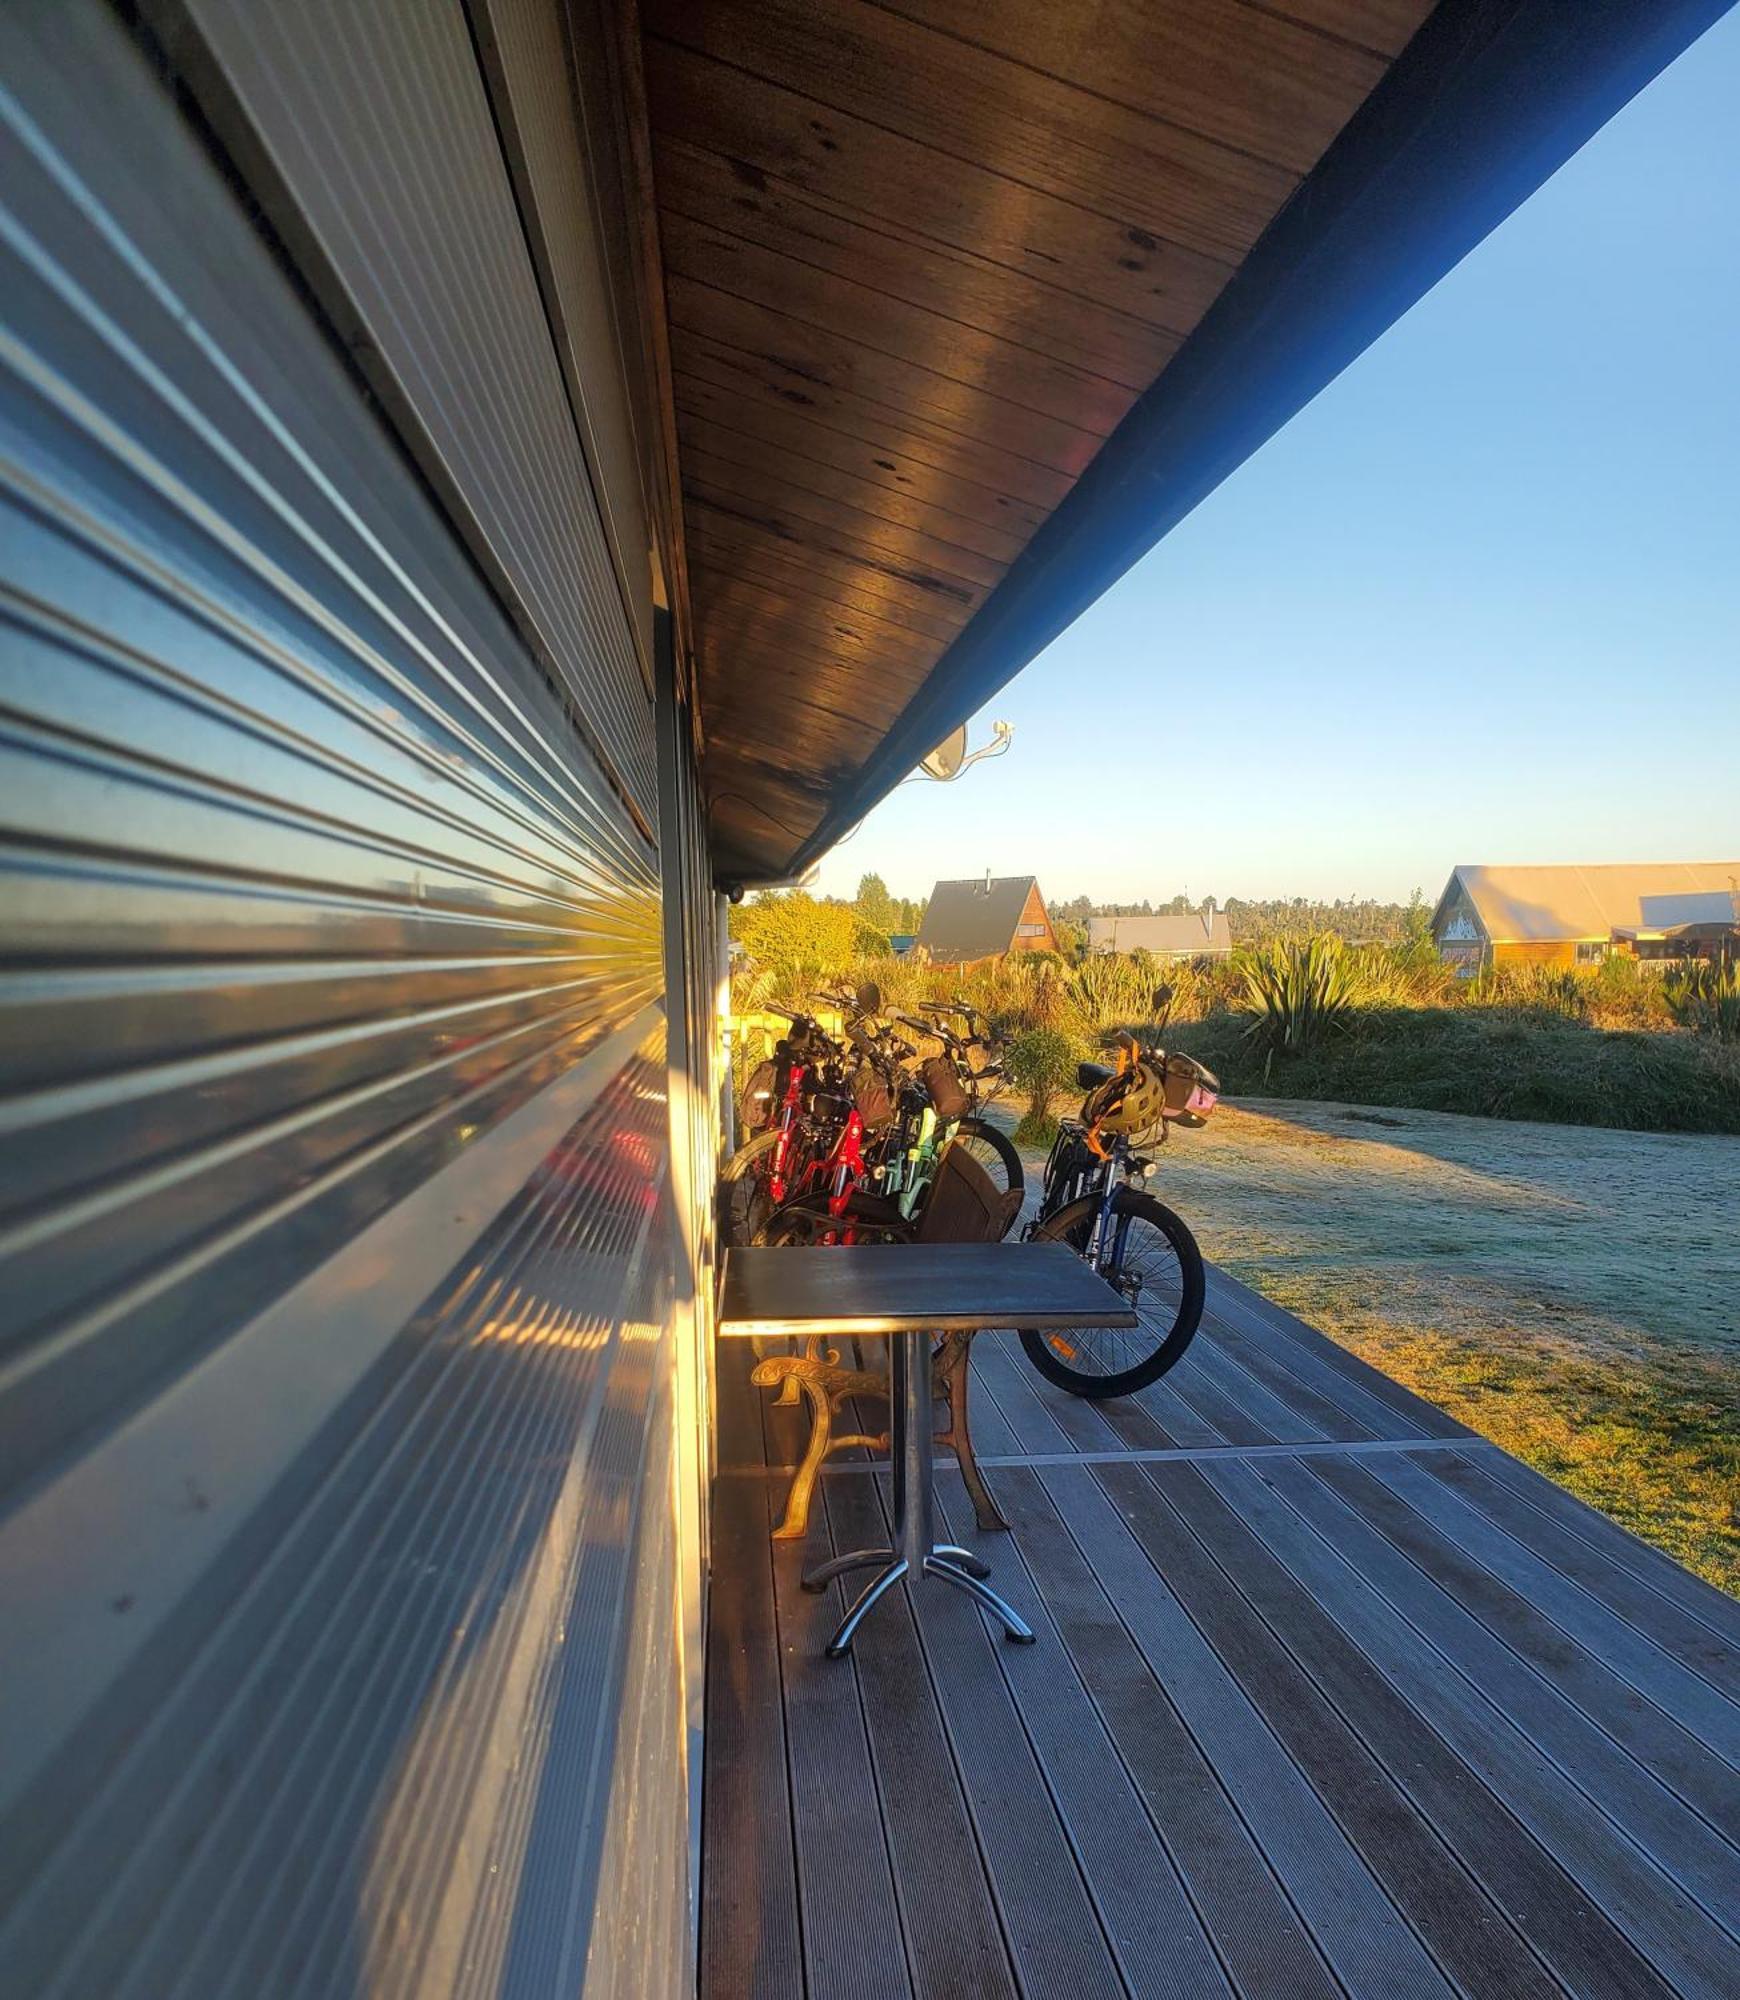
(874, 1192)
(1094, 1201)
(850, 1135)
(989, 1147)
(789, 1105)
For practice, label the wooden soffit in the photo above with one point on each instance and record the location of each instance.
(921, 261)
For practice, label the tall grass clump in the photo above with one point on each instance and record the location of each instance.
(1407, 974)
(1547, 992)
(1302, 989)
(1111, 989)
(1626, 992)
(1705, 997)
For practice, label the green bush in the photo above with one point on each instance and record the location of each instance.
(800, 942)
(1706, 998)
(1302, 989)
(1111, 989)
(1041, 1062)
(1625, 993)
(1408, 973)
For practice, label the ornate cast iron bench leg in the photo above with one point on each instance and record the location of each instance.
(952, 1365)
(825, 1385)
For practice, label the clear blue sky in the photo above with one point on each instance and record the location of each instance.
(1479, 602)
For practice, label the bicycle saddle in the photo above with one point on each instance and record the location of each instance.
(1089, 1075)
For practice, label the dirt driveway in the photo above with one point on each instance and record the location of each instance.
(1572, 1293)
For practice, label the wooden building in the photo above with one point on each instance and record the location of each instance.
(1205, 934)
(967, 922)
(1574, 915)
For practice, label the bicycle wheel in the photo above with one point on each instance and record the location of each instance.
(744, 1202)
(808, 1223)
(994, 1151)
(1152, 1258)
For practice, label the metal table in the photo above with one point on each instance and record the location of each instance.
(910, 1292)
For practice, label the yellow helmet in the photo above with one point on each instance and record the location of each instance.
(1132, 1102)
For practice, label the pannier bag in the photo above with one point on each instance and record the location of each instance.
(756, 1108)
(948, 1099)
(870, 1095)
(1192, 1092)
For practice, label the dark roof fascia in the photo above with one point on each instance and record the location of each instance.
(1489, 99)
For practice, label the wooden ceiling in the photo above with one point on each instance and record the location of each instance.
(919, 261)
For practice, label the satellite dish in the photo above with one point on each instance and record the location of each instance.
(945, 761)
(951, 756)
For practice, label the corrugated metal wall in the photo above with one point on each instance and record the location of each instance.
(369, 133)
(348, 1296)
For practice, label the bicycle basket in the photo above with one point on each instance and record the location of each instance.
(947, 1097)
(1192, 1092)
(870, 1095)
(756, 1106)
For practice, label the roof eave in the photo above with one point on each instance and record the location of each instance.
(1487, 101)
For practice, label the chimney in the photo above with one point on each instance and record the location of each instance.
(1208, 918)
(986, 890)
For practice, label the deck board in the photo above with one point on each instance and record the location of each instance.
(1329, 1697)
(853, 1945)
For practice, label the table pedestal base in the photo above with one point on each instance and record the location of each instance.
(916, 1552)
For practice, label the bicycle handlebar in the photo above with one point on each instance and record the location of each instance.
(923, 1028)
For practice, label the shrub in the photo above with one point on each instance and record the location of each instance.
(1214, 986)
(801, 942)
(1626, 993)
(1705, 997)
(1488, 1062)
(1071, 938)
(1548, 992)
(1409, 973)
(1302, 989)
(1112, 989)
(1024, 991)
(1041, 1062)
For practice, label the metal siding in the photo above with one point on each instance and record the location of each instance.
(322, 1575)
(347, 1748)
(378, 129)
(537, 102)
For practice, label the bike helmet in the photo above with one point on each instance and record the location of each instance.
(1132, 1102)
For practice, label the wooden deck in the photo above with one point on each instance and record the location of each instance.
(1330, 1698)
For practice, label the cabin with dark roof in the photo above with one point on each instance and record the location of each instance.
(967, 922)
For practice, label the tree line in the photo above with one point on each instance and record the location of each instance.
(1356, 919)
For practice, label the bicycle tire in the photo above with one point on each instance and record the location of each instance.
(809, 1222)
(738, 1221)
(1072, 1224)
(980, 1137)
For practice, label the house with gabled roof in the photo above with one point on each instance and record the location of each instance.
(1576, 915)
(1195, 934)
(984, 917)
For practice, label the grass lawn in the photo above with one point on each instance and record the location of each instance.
(1571, 1293)
(1490, 1062)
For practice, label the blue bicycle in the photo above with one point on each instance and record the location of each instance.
(1094, 1201)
